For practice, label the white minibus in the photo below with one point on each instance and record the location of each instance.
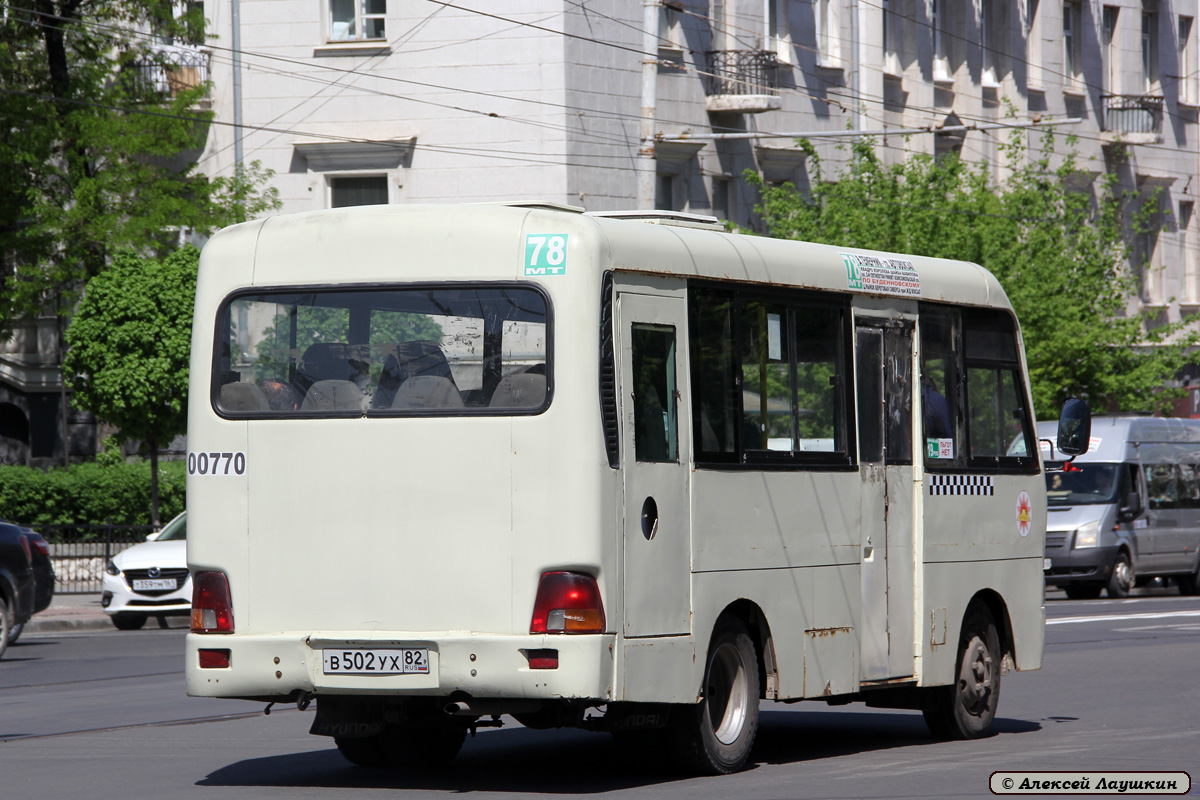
(1130, 512)
(626, 472)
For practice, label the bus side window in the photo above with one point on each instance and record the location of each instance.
(998, 418)
(654, 410)
(938, 365)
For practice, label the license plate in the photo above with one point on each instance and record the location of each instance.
(1045, 563)
(398, 661)
(151, 584)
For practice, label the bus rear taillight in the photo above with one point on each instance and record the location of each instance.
(567, 602)
(212, 608)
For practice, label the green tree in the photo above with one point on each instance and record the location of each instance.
(1059, 253)
(100, 126)
(129, 344)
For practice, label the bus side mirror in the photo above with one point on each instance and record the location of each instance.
(1074, 428)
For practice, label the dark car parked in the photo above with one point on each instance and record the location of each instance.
(43, 574)
(18, 580)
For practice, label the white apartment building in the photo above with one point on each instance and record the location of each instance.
(618, 104)
(406, 101)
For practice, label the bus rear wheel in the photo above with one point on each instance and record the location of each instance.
(966, 709)
(714, 737)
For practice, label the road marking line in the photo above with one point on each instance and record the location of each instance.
(1121, 617)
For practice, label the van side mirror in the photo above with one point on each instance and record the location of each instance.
(1131, 508)
(1074, 428)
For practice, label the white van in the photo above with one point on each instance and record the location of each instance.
(1130, 512)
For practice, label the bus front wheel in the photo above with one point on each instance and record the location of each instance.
(714, 736)
(965, 709)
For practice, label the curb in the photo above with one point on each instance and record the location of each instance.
(54, 623)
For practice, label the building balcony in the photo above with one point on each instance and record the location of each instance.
(1133, 118)
(169, 71)
(742, 81)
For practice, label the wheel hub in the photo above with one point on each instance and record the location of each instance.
(975, 679)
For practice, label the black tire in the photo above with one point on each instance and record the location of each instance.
(363, 752)
(6, 624)
(714, 737)
(1189, 585)
(966, 709)
(129, 622)
(14, 633)
(1122, 577)
(1083, 591)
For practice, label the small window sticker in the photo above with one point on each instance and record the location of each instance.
(216, 464)
(939, 448)
(545, 254)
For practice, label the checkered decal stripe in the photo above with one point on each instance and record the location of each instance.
(961, 484)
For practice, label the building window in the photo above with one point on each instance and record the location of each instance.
(664, 194)
(358, 190)
(720, 198)
(1108, 32)
(1149, 49)
(1187, 258)
(989, 39)
(941, 63)
(670, 32)
(828, 35)
(777, 30)
(356, 20)
(891, 62)
(1186, 66)
(1071, 35)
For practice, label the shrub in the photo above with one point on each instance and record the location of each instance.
(89, 494)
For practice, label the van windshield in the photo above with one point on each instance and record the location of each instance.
(1091, 484)
(383, 350)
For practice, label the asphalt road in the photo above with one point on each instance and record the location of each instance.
(105, 714)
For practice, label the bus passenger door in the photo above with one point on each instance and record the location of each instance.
(885, 401)
(654, 458)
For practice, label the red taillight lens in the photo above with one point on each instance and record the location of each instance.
(543, 659)
(41, 546)
(214, 659)
(567, 602)
(212, 608)
(25, 546)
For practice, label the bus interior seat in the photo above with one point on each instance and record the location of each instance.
(427, 391)
(279, 393)
(331, 361)
(522, 390)
(333, 396)
(409, 360)
(243, 397)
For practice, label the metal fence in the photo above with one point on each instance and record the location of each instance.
(1133, 113)
(79, 553)
(742, 72)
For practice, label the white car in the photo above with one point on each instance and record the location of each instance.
(149, 579)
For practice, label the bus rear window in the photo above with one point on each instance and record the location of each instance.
(383, 351)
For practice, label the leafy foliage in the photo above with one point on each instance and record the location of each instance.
(129, 345)
(99, 131)
(1059, 252)
(89, 494)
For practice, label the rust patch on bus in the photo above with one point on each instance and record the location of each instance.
(823, 632)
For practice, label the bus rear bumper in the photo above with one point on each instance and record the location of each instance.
(293, 664)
